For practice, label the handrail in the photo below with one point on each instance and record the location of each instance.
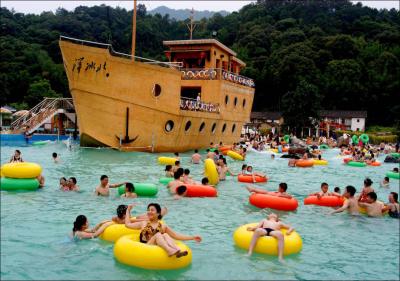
(195, 105)
(237, 78)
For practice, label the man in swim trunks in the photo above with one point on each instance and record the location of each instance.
(172, 185)
(72, 184)
(104, 188)
(374, 209)
(270, 227)
(280, 193)
(351, 204)
(196, 157)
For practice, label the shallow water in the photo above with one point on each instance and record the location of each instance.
(35, 225)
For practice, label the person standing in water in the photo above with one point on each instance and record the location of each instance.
(351, 204)
(104, 188)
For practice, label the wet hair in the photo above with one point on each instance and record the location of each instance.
(211, 143)
(63, 178)
(180, 171)
(221, 157)
(319, 157)
(158, 208)
(224, 160)
(196, 151)
(79, 222)
(168, 167)
(204, 181)
(121, 211)
(372, 195)
(103, 177)
(54, 155)
(368, 182)
(244, 149)
(207, 150)
(186, 171)
(130, 187)
(73, 180)
(18, 151)
(396, 170)
(324, 184)
(177, 162)
(386, 179)
(216, 152)
(395, 196)
(244, 166)
(220, 143)
(351, 189)
(176, 154)
(336, 189)
(181, 189)
(283, 186)
(177, 175)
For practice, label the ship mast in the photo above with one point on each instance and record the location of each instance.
(134, 30)
(192, 25)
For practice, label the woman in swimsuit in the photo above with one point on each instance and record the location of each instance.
(152, 232)
(366, 189)
(81, 228)
(16, 157)
(393, 206)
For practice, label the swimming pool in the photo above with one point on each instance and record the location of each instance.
(35, 225)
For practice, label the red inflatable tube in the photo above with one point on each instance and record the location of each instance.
(249, 178)
(273, 202)
(346, 160)
(200, 191)
(376, 164)
(325, 201)
(225, 147)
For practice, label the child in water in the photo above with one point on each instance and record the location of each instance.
(385, 182)
(129, 191)
(168, 171)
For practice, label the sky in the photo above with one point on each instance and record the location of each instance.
(37, 7)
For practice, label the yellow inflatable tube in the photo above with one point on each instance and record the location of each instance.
(128, 250)
(267, 244)
(275, 150)
(234, 155)
(320, 162)
(210, 171)
(21, 170)
(166, 160)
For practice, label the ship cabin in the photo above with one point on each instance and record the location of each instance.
(210, 76)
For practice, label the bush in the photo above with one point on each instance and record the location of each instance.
(373, 138)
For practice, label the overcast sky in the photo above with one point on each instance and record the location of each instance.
(39, 6)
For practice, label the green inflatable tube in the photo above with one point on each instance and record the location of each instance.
(286, 138)
(364, 138)
(393, 175)
(40, 142)
(356, 164)
(354, 138)
(323, 146)
(165, 180)
(213, 149)
(395, 154)
(141, 189)
(12, 184)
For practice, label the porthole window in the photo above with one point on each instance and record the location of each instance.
(213, 128)
(188, 125)
(233, 128)
(235, 101)
(156, 90)
(244, 103)
(202, 127)
(224, 128)
(226, 99)
(169, 126)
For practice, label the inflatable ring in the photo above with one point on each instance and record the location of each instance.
(285, 149)
(375, 164)
(273, 202)
(325, 201)
(225, 147)
(234, 155)
(128, 250)
(21, 170)
(347, 160)
(364, 138)
(267, 244)
(41, 142)
(286, 138)
(363, 210)
(393, 175)
(249, 178)
(304, 163)
(354, 138)
(193, 190)
(166, 160)
(395, 154)
(346, 152)
(323, 146)
(320, 162)
(213, 149)
(165, 180)
(356, 164)
(11, 184)
(141, 189)
(211, 171)
(275, 150)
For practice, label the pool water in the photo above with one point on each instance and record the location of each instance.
(35, 225)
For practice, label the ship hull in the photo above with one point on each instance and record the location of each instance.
(116, 106)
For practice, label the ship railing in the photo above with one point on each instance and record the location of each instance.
(118, 54)
(200, 74)
(238, 79)
(198, 105)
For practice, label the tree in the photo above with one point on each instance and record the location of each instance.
(38, 90)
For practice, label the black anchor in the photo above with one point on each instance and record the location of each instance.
(126, 139)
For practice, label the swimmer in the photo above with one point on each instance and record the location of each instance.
(55, 158)
(281, 192)
(244, 169)
(272, 156)
(121, 212)
(395, 170)
(186, 178)
(374, 209)
(393, 205)
(176, 166)
(292, 162)
(40, 179)
(249, 171)
(104, 188)
(196, 157)
(16, 158)
(336, 192)
(385, 182)
(350, 204)
(323, 192)
(242, 152)
(180, 192)
(223, 169)
(210, 154)
(176, 156)
(168, 171)
(64, 184)
(270, 227)
(129, 191)
(205, 181)
(172, 185)
(365, 190)
(81, 229)
(72, 184)
(152, 232)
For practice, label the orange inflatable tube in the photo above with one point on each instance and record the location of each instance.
(304, 163)
(200, 191)
(346, 160)
(325, 201)
(225, 147)
(376, 164)
(273, 202)
(249, 178)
